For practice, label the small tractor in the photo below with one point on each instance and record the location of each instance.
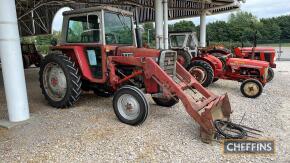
(30, 55)
(98, 52)
(254, 53)
(208, 68)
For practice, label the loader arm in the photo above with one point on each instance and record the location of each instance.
(203, 106)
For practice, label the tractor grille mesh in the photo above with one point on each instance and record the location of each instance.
(168, 61)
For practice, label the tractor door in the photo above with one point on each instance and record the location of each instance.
(85, 30)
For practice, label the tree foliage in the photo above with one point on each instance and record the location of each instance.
(182, 26)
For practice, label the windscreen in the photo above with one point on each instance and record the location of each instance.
(118, 29)
(177, 40)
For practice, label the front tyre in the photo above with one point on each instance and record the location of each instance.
(251, 88)
(130, 105)
(165, 102)
(202, 72)
(60, 80)
(270, 76)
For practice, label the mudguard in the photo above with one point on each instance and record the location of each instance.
(216, 64)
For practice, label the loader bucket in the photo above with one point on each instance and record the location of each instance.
(219, 109)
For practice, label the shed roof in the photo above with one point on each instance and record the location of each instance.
(35, 16)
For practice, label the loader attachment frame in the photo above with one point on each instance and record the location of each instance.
(202, 105)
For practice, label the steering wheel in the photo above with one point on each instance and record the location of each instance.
(111, 38)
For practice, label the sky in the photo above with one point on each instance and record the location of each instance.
(260, 8)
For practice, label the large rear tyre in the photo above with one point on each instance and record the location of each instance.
(60, 80)
(183, 58)
(165, 102)
(130, 105)
(251, 88)
(270, 74)
(202, 72)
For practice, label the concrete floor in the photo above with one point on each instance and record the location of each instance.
(90, 132)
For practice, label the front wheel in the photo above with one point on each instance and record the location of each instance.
(251, 88)
(165, 102)
(130, 105)
(270, 74)
(26, 61)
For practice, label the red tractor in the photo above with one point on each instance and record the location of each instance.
(98, 52)
(254, 53)
(209, 67)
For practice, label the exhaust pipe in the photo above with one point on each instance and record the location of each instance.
(138, 30)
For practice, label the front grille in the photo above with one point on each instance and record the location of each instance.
(167, 62)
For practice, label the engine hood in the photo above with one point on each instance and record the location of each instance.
(248, 63)
(137, 52)
(261, 49)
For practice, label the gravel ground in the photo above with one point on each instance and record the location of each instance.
(90, 132)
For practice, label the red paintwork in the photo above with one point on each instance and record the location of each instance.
(247, 52)
(233, 67)
(213, 61)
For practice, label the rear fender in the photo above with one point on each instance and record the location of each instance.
(77, 54)
(215, 63)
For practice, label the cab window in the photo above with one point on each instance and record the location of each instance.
(177, 40)
(83, 29)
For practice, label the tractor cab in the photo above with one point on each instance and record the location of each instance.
(186, 45)
(97, 32)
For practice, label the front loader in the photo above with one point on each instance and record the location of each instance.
(98, 52)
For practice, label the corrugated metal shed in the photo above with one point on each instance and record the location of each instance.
(35, 16)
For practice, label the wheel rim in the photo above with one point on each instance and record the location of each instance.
(199, 74)
(128, 107)
(251, 89)
(54, 81)
(181, 60)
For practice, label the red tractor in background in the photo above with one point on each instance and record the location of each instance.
(98, 52)
(209, 67)
(254, 53)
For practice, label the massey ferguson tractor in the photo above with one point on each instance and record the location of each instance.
(98, 51)
(208, 68)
